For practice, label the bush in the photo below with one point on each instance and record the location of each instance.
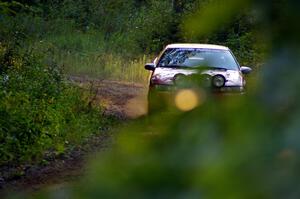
(38, 109)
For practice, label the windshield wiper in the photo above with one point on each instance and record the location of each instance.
(194, 67)
(211, 68)
(174, 66)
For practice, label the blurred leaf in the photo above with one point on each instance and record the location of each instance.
(213, 16)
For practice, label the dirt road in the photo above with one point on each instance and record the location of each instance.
(124, 100)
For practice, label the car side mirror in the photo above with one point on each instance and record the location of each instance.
(150, 66)
(246, 70)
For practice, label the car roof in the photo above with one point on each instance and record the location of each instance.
(204, 46)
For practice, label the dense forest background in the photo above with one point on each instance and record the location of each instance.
(130, 28)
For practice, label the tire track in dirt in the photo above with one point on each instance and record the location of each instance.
(122, 99)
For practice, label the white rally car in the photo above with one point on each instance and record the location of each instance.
(212, 66)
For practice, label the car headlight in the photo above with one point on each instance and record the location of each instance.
(156, 77)
(218, 81)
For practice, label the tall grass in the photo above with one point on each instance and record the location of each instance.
(89, 54)
(105, 66)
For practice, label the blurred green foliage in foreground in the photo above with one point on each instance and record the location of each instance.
(230, 147)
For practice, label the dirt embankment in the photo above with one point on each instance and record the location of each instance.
(124, 100)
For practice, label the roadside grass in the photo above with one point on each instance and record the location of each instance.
(105, 66)
(88, 54)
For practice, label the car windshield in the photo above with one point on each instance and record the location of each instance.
(197, 58)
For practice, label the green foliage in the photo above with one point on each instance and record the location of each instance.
(10, 7)
(236, 28)
(152, 27)
(38, 110)
(202, 153)
(215, 14)
(88, 54)
(134, 28)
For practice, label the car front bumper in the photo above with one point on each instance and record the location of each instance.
(222, 90)
(162, 97)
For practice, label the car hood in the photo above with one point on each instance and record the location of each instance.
(166, 75)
